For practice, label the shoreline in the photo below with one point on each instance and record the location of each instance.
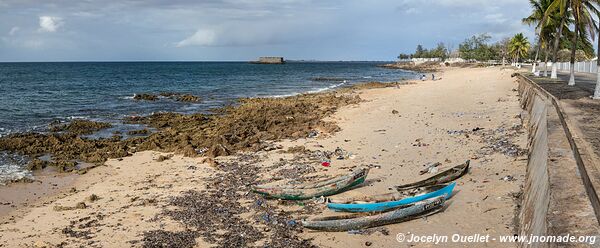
(48, 181)
(441, 131)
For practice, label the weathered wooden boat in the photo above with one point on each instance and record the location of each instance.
(360, 221)
(388, 201)
(316, 189)
(446, 176)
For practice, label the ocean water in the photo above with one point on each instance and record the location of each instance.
(34, 94)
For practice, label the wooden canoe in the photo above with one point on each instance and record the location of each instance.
(393, 200)
(316, 189)
(360, 221)
(446, 176)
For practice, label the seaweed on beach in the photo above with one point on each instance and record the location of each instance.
(163, 239)
(500, 140)
(215, 213)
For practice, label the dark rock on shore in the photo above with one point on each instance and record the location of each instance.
(245, 127)
(411, 66)
(171, 95)
(80, 127)
(328, 79)
(139, 132)
(145, 97)
(188, 98)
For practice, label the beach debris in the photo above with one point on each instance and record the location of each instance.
(93, 198)
(395, 112)
(499, 140)
(210, 161)
(341, 153)
(489, 209)
(456, 132)
(297, 149)
(201, 151)
(312, 134)
(368, 243)
(161, 238)
(477, 129)
(430, 167)
(326, 163)
(272, 147)
(79, 205)
(221, 203)
(162, 158)
(419, 143)
(508, 178)
(42, 244)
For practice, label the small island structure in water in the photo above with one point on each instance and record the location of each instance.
(269, 60)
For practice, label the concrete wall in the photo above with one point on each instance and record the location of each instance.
(558, 198)
(582, 66)
(536, 193)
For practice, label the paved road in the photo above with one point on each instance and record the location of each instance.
(585, 81)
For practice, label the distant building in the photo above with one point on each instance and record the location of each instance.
(270, 60)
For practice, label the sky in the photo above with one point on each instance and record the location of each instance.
(241, 30)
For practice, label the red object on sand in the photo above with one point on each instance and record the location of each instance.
(326, 164)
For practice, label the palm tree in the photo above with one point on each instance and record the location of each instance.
(558, 8)
(519, 46)
(581, 10)
(539, 19)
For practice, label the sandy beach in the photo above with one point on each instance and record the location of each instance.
(142, 201)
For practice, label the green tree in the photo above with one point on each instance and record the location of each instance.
(476, 48)
(558, 9)
(403, 56)
(581, 11)
(519, 46)
(539, 19)
(583, 19)
(419, 52)
(440, 51)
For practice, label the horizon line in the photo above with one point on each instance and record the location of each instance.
(189, 61)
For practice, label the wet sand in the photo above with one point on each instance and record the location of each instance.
(395, 131)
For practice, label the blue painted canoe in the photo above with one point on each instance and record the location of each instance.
(410, 196)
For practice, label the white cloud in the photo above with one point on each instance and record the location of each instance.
(412, 11)
(496, 18)
(50, 23)
(13, 31)
(202, 37)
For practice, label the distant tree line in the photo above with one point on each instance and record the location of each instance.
(478, 47)
(440, 51)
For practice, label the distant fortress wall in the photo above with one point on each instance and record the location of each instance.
(271, 60)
